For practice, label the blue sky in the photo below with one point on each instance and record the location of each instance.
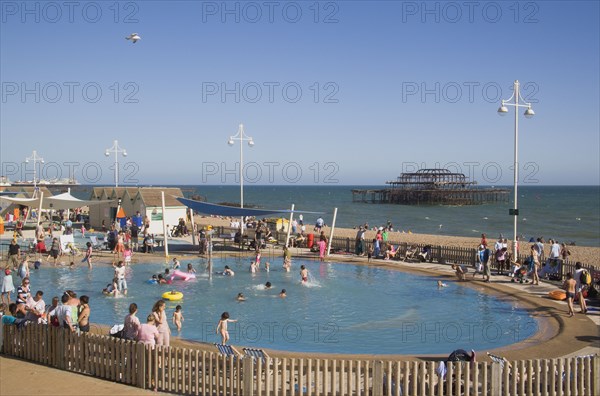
(347, 92)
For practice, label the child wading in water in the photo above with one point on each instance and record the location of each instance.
(303, 274)
(88, 255)
(222, 327)
(257, 258)
(178, 317)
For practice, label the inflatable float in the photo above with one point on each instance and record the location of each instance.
(186, 276)
(172, 295)
(559, 295)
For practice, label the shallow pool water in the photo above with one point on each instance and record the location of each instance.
(342, 309)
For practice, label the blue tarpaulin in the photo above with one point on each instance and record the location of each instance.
(222, 210)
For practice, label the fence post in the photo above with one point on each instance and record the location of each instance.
(248, 379)
(141, 365)
(58, 348)
(496, 380)
(377, 378)
(595, 381)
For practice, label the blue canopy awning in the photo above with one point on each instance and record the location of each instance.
(222, 210)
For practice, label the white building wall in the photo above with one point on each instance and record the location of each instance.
(172, 218)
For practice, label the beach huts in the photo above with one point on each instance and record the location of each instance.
(146, 200)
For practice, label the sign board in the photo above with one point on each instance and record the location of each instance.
(158, 216)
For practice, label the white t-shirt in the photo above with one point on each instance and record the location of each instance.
(120, 272)
(498, 246)
(577, 277)
(62, 312)
(39, 306)
(555, 250)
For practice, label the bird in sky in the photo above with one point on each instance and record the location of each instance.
(133, 37)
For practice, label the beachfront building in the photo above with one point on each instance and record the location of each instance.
(146, 200)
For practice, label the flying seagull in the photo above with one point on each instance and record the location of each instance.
(133, 37)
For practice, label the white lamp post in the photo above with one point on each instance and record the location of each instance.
(503, 110)
(116, 150)
(34, 157)
(241, 136)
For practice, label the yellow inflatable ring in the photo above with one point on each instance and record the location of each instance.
(558, 295)
(173, 295)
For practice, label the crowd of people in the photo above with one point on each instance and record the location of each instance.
(67, 311)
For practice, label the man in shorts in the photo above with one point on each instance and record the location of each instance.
(54, 250)
(14, 254)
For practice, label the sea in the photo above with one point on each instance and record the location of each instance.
(569, 214)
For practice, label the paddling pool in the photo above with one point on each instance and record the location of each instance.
(343, 308)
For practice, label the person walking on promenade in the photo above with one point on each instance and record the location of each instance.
(536, 264)
(569, 287)
(579, 287)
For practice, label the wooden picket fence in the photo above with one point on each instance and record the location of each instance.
(196, 371)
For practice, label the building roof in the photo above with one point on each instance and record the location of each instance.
(26, 191)
(150, 196)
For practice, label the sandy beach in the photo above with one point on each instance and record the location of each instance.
(586, 254)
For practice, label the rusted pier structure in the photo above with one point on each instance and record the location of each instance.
(432, 187)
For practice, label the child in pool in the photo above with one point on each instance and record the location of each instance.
(153, 280)
(88, 255)
(241, 297)
(176, 263)
(257, 258)
(267, 266)
(23, 270)
(111, 289)
(190, 269)
(222, 327)
(227, 271)
(268, 285)
(178, 317)
(303, 274)
(440, 284)
(283, 293)
(253, 267)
